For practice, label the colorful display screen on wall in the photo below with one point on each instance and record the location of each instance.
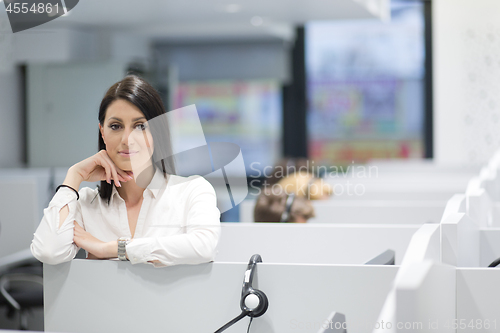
(247, 113)
(365, 87)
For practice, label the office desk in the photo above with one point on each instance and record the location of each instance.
(112, 296)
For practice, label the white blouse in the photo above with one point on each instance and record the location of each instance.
(178, 223)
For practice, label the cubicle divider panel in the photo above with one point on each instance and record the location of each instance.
(479, 205)
(489, 246)
(406, 187)
(365, 211)
(426, 298)
(46, 180)
(456, 204)
(478, 300)
(395, 194)
(18, 214)
(460, 241)
(420, 166)
(424, 245)
(378, 211)
(112, 296)
(312, 243)
(496, 215)
(42, 179)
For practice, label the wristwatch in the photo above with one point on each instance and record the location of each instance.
(122, 250)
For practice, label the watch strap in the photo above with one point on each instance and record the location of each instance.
(122, 249)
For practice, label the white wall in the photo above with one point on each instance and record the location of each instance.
(63, 105)
(52, 47)
(10, 135)
(466, 58)
(10, 118)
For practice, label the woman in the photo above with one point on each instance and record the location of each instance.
(275, 205)
(304, 184)
(140, 212)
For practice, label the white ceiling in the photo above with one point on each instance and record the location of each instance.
(173, 19)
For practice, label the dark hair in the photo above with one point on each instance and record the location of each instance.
(271, 204)
(140, 93)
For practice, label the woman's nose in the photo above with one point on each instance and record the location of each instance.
(126, 137)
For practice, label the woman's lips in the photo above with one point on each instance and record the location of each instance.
(127, 153)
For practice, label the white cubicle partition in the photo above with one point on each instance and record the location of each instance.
(18, 214)
(396, 190)
(376, 184)
(360, 211)
(312, 243)
(42, 179)
(111, 296)
(46, 180)
(470, 243)
(24, 194)
(426, 298)
(365, 212)
(489, 246)
(419, 165)
(479, 205)
(459, 241)
(425, 246)
(478, 299)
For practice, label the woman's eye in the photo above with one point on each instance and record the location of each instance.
(141, 127)
(114, 126)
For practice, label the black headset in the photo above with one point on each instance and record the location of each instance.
(495, 263)
(253, 302)
(288, 207)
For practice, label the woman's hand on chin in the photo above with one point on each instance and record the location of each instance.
(100, 167)
(96, 248)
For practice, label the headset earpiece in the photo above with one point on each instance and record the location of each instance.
(253, 302)
(261, 308)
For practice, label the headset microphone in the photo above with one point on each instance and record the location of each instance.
(253, 302)
(288, 208)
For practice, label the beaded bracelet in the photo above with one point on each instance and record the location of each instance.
(77, 195)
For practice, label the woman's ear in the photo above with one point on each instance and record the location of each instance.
(101, 129)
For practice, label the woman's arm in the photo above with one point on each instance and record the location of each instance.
(53, 241)
(196, 245)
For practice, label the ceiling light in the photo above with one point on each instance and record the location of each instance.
(256, 21)
(233, 8)
(52, 13)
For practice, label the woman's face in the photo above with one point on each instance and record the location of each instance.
(127, 136)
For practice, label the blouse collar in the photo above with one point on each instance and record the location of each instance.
(158, 182)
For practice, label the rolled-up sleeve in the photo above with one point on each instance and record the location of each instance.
(51, 244)
(199, 241)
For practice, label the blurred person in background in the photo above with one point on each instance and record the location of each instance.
(275, 205)
(305, 184)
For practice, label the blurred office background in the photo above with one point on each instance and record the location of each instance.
(336, 82)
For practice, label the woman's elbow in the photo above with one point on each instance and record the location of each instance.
(209, 249)
(49, 255)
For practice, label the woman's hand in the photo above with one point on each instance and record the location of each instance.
(95, 247)
(96, 168)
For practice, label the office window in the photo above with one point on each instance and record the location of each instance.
(247, 113)
(365, 87)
